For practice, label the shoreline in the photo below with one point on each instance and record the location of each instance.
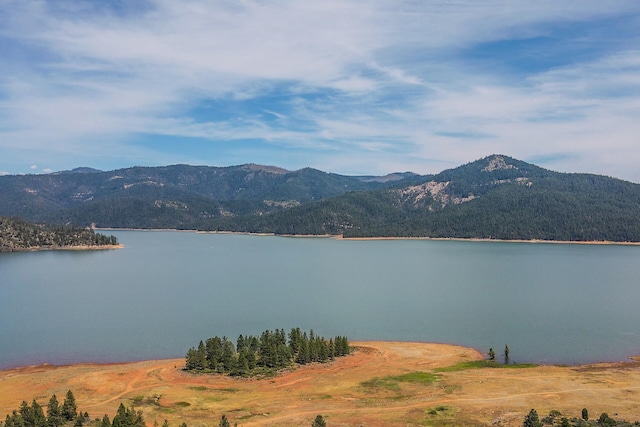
(66, 248)
(341, 237)
(633, 359)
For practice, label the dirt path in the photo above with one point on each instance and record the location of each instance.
(128, 389)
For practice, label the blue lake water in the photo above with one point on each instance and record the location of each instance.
(165, 291)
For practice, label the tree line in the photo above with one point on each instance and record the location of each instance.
(555, 418)
(67, 414)
(18, 235)
(272, 350)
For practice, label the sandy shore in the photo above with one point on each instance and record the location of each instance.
(365, 388)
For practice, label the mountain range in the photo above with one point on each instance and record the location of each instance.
(496, 197)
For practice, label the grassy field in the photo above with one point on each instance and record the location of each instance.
(380, 384)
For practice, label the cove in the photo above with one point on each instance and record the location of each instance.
(165, 291)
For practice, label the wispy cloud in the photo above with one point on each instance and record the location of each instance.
(345, 86)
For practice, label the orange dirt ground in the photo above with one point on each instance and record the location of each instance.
(499, 397)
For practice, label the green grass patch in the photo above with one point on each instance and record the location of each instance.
(182, 404)
(391, 383)
(478, 364)
(199, 388)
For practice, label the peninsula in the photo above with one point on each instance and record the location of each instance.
(379, 384)
(17, 235)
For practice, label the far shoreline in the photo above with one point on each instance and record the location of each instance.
(341, 237)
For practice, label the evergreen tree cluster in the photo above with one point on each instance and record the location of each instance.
(17, 235)
(555, 418)
(56, 415)
(272, 350)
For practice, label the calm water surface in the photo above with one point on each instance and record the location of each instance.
(167, 290)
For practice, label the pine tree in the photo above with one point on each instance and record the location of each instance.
(240, 344)
(213, 349)
(38, 415)
(228, 355)
(319, 422)
(303, 354)
(532, 419)
(105, 421)
(224, 422)
(69, 408)
(26, 414)
(128, 417)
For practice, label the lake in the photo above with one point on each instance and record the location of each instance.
(165, 291)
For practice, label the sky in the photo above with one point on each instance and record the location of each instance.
(355, 87)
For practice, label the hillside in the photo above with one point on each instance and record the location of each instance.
(496, 197)
(17, 235)
(178, 196)
(493, 198)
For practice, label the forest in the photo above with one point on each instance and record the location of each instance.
(496, 197)
(18, 235)
(271, 351)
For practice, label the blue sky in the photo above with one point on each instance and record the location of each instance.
(349, 86)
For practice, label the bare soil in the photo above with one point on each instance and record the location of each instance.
(351, 391)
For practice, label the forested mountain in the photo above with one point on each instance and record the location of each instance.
(496, 197)
(18, 235)
(178, 196)
(493, 198)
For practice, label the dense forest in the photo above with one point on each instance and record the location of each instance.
(496, 197)
(512, 201)
(269, 352)
(18, 235)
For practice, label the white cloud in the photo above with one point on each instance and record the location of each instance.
(380, 84)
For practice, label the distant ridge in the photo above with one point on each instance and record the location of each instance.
(496, 197)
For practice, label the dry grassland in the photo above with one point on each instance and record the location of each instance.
(369, 388)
